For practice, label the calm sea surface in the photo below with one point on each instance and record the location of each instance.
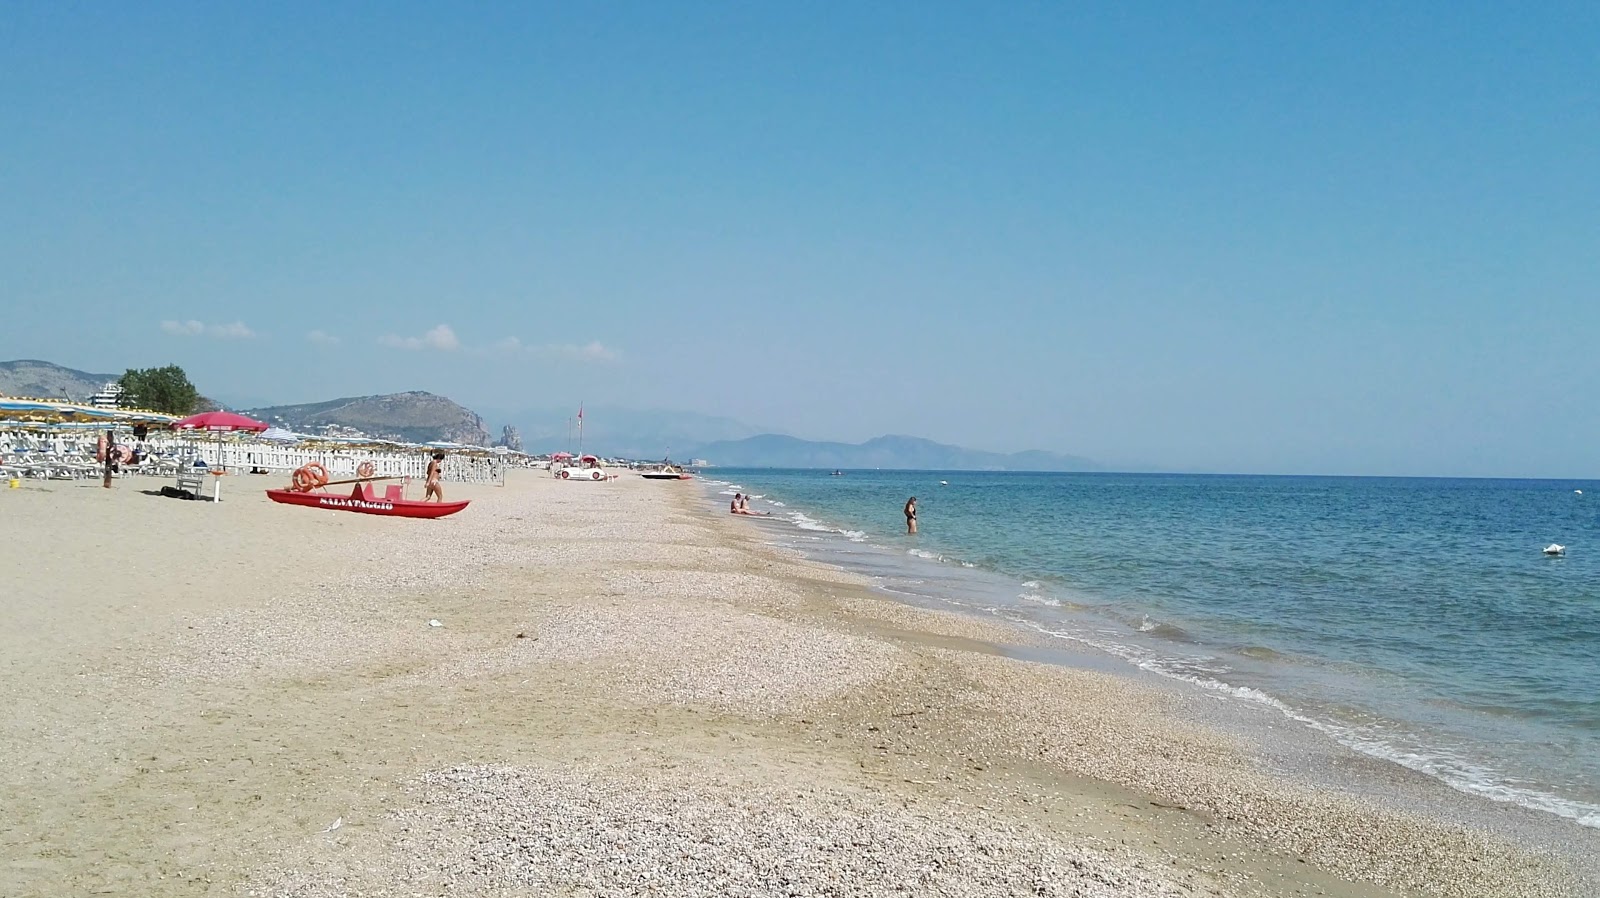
(1413, 619)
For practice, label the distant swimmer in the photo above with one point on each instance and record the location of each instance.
(911, 515)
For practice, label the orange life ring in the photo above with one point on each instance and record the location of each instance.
(100, 449)
(124, 455)
(366, 469)
(595, 475)
(564, 474)
(308, 477)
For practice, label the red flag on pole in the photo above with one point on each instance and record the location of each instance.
(580, 411)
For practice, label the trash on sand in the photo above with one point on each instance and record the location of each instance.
(334, 825)
(434, 623)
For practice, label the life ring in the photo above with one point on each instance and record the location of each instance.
(595, 475)
(564, 474)
(100, 448)
(124, 455)
(308, 477)
(366, 469)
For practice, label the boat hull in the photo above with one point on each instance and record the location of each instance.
(397, 508)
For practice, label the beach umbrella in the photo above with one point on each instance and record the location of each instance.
(279, 435)
(219, 423)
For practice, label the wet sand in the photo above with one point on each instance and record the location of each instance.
(627, 694)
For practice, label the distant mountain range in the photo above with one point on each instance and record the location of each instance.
(35, 379)
(619, 431)
(914, 453)
(414, 417)
(419, 417)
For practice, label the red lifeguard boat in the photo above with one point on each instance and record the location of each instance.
(311, 478)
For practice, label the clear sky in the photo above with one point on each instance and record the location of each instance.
(1335, 238)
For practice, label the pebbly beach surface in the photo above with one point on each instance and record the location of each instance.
(626, 693)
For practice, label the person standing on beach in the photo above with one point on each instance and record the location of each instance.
(431, 490)
(911, 515)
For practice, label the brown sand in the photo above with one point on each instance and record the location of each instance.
(626, 696)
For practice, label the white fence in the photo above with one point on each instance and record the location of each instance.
(342, 462)
(56, 456)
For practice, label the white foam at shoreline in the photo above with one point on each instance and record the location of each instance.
(805, 522)
(1456, 772)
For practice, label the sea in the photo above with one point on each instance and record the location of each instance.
(1415, 620)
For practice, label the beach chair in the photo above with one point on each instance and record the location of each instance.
(192, 479)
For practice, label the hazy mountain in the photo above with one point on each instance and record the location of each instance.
(626, 432)
(35, 379)
(911, 453)
(414, 417)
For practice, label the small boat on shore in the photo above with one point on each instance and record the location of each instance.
(666, 470)
(666, 474)
(365, 501)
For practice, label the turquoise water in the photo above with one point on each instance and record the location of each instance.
(1413, 619)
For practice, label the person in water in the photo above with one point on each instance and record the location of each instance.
(431, 490)
(911, 515)
(741, 505)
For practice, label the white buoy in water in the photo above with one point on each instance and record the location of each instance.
(944, 483)
(1555, 549)
(1579, 492)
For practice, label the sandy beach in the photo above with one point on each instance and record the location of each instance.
(627, 694)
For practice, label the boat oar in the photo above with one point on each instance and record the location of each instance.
(363, 480)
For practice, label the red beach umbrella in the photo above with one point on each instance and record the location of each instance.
(219, 423)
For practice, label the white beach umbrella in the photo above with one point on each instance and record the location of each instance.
(279, 435)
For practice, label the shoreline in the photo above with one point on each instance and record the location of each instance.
(1076, 623)
(1304, 756)
(599, 663)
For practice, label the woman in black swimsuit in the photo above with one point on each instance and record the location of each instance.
(911, 515)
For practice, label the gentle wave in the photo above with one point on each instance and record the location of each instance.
(1458, 773)
(1163, 630)
(805, 522)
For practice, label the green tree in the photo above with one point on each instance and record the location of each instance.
(160, 390)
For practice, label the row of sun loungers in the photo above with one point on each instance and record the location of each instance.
(45, 466)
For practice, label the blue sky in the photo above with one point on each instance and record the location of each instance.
(1228, 237)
